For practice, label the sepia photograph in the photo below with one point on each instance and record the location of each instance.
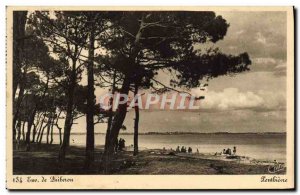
(126, 97)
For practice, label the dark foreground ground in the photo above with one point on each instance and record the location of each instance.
(42, 159)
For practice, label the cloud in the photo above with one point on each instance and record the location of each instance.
(280, 69)
(260, 38)
(268, 60)
(269, 64)
(261, 34)
(273, 101)
(233, 99)
(280, 66)
(239, 32)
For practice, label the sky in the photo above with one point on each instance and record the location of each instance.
(253, 101)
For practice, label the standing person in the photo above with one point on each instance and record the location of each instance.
(178, 149)
(234, 150)
(190, 150)
(123, 144)
(228, 151)
(120, 144)
(182, 149)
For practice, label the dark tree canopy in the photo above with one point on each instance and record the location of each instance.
(143, 43)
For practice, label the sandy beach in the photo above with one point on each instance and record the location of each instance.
(42, 159)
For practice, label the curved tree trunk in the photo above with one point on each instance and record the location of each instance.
(48, 129)
(122, 108)
(42, 133)
(35, 126)
(109, 122)
(116, 125)
(41, 126)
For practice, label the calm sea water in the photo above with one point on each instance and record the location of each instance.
(258, 146)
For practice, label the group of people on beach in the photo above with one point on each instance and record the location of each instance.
(228, 151)
(184, 150)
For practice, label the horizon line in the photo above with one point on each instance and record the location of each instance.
(182, 132)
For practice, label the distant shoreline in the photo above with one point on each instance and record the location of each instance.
(187, 133)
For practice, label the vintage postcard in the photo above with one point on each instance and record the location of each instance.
(150, 98)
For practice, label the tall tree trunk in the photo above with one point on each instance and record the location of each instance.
(33, 133)
(122, 108)
(29, 125)
(19, 124)
(42, 132)
(60, 137)
(17, 106)
(136, 122)
(19, 21)
(116, 124)
(51, 132)
(35, 125)
(15, 128)
(90, 140)
(67, 130)
(41, 126)
(109, 122)
(48, 129)
(23, 131)
(18, 129)
(69, 115)
(59, 128)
